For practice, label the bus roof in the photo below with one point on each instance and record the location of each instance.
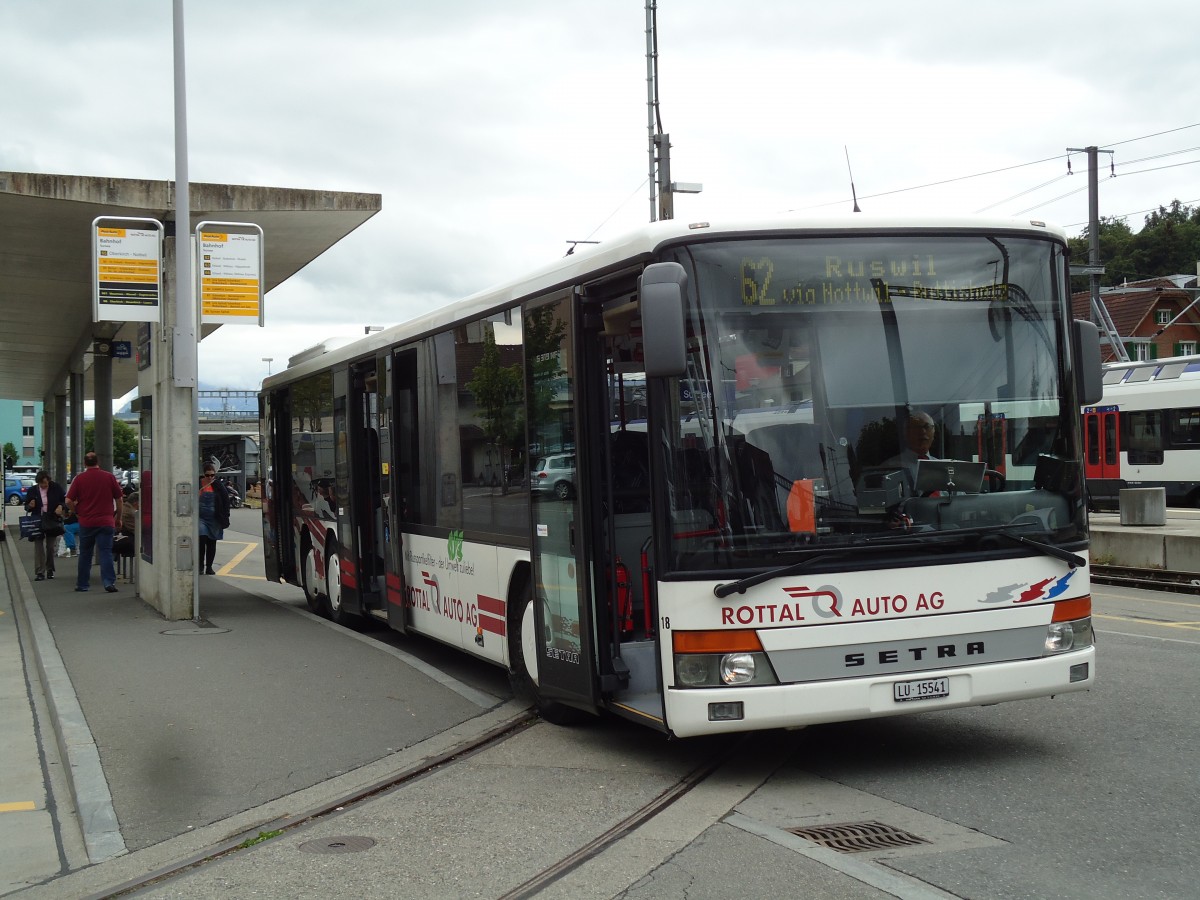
(639, 245)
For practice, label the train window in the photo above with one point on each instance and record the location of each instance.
(1114, 376)
(1185, 427)
(1145, 439)
(1171, 370)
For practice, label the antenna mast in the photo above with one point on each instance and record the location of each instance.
(653, 122)
(660, 144)
(853, 193)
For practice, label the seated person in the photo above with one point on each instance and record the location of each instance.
(123, 540)
(918, 437)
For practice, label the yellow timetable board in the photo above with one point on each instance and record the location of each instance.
(230, 276)
(126, 273)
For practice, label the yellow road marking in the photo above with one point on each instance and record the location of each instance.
(19, 806)
(1193, 604)
(247, 549)
(1187, 626)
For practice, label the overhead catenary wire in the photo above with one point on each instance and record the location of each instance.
(1003, 169)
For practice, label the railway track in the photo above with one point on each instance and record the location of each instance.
(683, 784)
(250, 838)
(1148, 579)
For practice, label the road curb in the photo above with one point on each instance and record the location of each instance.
(85, 776)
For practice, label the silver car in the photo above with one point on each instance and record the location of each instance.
(554, 475)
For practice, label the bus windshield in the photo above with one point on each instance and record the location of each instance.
(905, 391)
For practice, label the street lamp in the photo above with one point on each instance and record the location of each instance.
(268, 360)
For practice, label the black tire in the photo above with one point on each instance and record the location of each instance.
(307, 577)
(333, 591)
(524, 684)
(562, 490)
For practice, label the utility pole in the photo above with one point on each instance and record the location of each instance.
(662, 188)
(1094, 269)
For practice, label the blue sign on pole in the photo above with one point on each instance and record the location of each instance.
(122, 350)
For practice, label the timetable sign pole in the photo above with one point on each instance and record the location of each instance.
(229, 272)
(126, 269)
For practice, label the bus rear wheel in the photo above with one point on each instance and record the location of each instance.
(333, 587)
(309, 579)
(523, 652)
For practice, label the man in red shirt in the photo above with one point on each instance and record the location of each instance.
(96, 500)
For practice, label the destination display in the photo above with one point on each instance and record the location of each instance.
(230, 276)
(127, 272)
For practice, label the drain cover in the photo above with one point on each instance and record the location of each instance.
(858, 837)
(340, 844)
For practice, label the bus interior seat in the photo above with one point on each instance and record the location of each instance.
(630, 471)
(756, 479)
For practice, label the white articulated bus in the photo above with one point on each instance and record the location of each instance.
(1145, 432)
(665, 477)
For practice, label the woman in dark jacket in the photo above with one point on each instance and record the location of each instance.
(214, 515)
(46, 496)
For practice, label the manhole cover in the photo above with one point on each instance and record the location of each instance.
(338, 845)
(857, 837)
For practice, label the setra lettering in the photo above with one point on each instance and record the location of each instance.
(893, 656)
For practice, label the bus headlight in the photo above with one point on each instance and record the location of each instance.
(1062, 637)
(737, 668)
(719, 659)
(699, 670)
(694, 670)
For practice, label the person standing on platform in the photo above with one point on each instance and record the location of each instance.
(45, 498)
(214, 516)
(95, 498)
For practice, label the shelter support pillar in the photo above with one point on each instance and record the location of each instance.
(59, 472)
(102, 406)
(166, 573)
(76, 391)
(46, 458)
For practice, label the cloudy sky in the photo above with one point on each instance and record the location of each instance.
(498, 131)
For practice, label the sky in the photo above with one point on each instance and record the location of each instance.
(498, 132)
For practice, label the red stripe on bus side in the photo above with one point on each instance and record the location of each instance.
(491, 605)
(495, 626)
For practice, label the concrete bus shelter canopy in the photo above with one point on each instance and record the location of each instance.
(46, 327)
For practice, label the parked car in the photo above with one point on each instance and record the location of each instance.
(554, 475)
(14, 490)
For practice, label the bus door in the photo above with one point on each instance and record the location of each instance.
(400, 453)
(366, 490)
(279, 549)
(562, 611)
(1102, 443)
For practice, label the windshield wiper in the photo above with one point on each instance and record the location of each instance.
(811, 556)
(922, 540)
(1074, 560)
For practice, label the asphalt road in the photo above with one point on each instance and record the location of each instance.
(1085, 796)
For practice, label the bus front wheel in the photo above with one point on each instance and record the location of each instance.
(524, 650)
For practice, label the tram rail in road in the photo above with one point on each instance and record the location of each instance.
(1147, 579)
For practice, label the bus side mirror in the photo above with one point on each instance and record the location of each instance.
(664, 337)
(1089, 375)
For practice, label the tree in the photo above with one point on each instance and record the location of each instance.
(1168, 244)
(125, 441)
(10, 454)
(497, 392)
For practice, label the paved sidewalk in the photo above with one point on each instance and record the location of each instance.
(168, 729)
